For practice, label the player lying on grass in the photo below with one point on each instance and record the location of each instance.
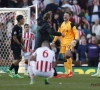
(42, 62)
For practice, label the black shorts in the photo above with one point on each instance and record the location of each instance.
(17, 53)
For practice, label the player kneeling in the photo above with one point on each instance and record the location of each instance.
(42, 62)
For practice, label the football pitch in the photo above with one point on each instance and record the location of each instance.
(77, 82)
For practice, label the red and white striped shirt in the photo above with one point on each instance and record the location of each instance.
(77, 9)
(76, 19)
(81, 32)
(29, 41)
(44, 59)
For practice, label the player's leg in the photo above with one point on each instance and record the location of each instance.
(9, 71)
(26, 67)
(62, 51)
(98, 74)
(32, 71)
(18, 58)
(26, 57)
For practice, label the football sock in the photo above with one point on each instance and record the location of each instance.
(26, 66)
(32, 78)
(66, 67)
(46, 80)
(12, 67)
(70, 64)
(55, 72)
(16, 69)
(99, 67)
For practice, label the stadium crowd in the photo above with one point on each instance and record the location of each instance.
(84, 14)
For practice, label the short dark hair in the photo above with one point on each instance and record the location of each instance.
(46, 16)
(46, 43)
(93, 34)
(26, 25)
(19, 17)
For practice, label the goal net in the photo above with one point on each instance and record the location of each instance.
(7, 21)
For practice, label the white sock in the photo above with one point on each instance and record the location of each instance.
(32, 78)
(30, 74)
(26, 67)
(99, 67)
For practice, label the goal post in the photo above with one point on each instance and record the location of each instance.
(7, 21)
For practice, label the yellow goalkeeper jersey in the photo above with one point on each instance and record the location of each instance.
(70, 33)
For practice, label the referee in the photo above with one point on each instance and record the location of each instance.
(16, 46)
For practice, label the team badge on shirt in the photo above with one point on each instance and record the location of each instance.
(15, 32)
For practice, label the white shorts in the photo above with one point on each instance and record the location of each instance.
(26, 55)
(41, 74)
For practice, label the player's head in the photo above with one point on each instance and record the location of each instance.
(45, 44)
(20, 19)
(94, 40)
(26, 27)
(47, 17)
(83, 37)
(66, 16)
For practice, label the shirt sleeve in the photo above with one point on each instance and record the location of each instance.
(35, 53)
(76, 33)
(56, 37)
(14, 31)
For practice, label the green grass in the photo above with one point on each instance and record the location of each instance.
(77, 82)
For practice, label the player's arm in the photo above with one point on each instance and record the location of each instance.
(22, 41)
(33, 56)
(75, 31)
(14, 36)
(32, 44)
(56, 37)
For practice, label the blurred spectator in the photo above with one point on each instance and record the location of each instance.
(76, 7)
(40, 4)
(12, 3)
(90, 2)
(25, 3)
(3, 3)
(93, 52)
(83, 4)
(98, 2)
(81, 50)
(80, 31)
(86, 30)
(96, 29)
(77, 19)
(94, 11)
(87, 16)
(55, 22)
(84, 21)
(51, 7)
(67, 5)
(82, 14)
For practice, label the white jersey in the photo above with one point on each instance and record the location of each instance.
(29, 41)
(44, 59)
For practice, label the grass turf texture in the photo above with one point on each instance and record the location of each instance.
(77, 82)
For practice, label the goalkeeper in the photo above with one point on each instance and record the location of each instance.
(67, 42)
